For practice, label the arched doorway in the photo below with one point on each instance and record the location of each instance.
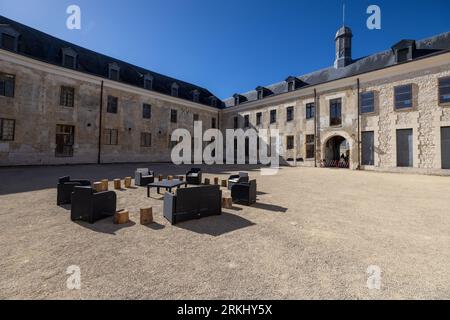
(337, 152)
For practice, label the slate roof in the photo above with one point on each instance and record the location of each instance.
(424, 48)
(41, 46)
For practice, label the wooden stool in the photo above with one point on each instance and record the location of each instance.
(127, 182)
(121, 217)
(98, 186)
(117, 184)
(105, 184)
(227, 202)
(169, 178)
(216, 180)
(160, 178)
(224, 183)
(146, 216)
(207, 181)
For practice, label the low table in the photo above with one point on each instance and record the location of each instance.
(166, 184)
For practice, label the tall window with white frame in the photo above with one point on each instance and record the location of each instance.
(310, 111)
(67, 96)
(336, 112)
(403, 96)
(65, 140)
(310, 146)
(7, 129)
(367, 102)
(7, 84)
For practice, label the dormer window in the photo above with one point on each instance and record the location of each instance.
(238, 99)
(9, 38)
(69, 58)
(195, 95)
(262, 92)
(291, 86)
(174, 90)
(148, 82)
(404, 50)
(114, 71)
(293, 83)
(213, 101)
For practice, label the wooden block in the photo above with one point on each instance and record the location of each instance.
(105, 184)
(216, 180)
(181, 178)
(127, 182)
(169, 178)
(160, 178)
(146, 216)
(121, 217)
(227, 202)
(117, 184)
(224, 183)
(207, 181)
(98, 186)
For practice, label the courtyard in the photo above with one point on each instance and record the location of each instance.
(311, 235)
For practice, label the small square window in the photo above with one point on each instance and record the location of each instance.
(112, 104)
(69, 61)
(146, 139)
(111, 136)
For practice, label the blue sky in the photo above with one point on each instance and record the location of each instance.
(230, 46)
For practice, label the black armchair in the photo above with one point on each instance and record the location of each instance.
(237, 178)
(143, 177)
(90, 206)
(65, 189)
(194, 176)
(244, 192)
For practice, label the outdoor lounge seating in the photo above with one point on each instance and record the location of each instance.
(91, 206)
(192, 203)
(194, 176)
(143, 177)
(236, 178)
(65, 189)
(244, 192)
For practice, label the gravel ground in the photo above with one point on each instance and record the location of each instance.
(312, 235)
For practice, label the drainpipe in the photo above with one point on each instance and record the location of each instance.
(100, 125)
(359, 128)
(315, 127)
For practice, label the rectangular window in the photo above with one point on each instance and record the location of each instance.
(111, 136)
(289, 114)
(148, 84)
(235, 122)
(114, 74)
(67, 96)
(444, 90)
(146, 111)
(445, 147)
(258, 118)
(7, 83)
(367, 101)
(403, 96)
(213, 123)
(173, 116)
(273, 116)
(404, 148)
(310, 110)
(291, 86)
(146, 139)
(174, 92)
(7, 128)
(335, 112)
(367, 148)
(69, 61)
(112, 104)
(65, 139)
(290, 142)
(310, 147)
(246, 121)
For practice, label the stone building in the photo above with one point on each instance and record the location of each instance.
(63, 104)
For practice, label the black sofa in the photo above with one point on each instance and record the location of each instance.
(143, 177)
(194, 176)
(91, 206)
(244, 192)
(65, 188)
(192, 203)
